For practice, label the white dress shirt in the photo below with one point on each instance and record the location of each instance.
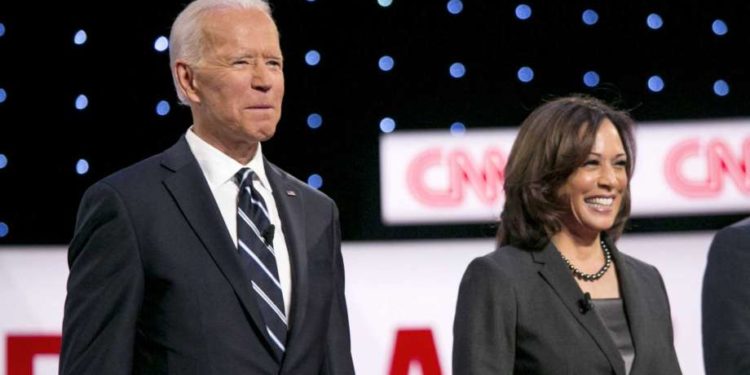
(219, 170)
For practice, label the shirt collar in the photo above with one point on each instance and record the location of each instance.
(219, 167)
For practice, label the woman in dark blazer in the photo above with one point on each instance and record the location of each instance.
(557, 296)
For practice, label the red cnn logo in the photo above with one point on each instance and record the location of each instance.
(485, 178)
(720, 162)
(21, 350)
(418, 346)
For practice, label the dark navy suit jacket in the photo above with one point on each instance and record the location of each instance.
(155, 284)
(726, 302)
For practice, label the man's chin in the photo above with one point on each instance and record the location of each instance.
(263, 135)
(258, 130)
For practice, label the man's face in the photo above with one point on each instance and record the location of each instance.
(239, 81)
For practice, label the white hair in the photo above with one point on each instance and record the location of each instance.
(186, 37)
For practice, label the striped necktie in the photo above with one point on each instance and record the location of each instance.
(255, 246)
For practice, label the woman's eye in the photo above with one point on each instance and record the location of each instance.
(591, 162)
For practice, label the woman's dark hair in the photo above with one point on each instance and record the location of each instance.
(553, 141)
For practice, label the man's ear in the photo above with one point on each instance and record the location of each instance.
(186, 81)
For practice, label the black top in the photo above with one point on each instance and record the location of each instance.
(612, 313)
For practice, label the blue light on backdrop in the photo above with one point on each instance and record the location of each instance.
(315, 181)
(455, 6)
(458, 128)
(655, 83)
(721, 88)
(385, 63)
(590, 17)
(80, 37)
(719, 27)
(654, 21)
(161, 43)
(314, 121)
(82, 166)
(312, 57)
(525, 74)
(591, 78)
(387, 125)
(457, 70)
(162, 108)
(523, 12)
(82, 102)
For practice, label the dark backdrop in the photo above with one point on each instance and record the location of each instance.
(42, 134)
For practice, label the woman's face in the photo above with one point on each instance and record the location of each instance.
(595, 188)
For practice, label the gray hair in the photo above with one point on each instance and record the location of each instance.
(186, 37)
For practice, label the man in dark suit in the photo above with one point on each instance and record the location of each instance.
(726, 302)
(166, 275)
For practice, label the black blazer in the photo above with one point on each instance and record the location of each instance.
(518, 312)
(726, 302)
(155, 286)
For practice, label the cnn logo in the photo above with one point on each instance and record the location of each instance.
(462, 174)
(720, 162)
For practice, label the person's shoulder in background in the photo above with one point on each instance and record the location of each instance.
(726, 302)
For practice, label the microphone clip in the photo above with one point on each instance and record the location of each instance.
(584, 304)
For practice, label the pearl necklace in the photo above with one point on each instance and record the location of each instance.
(596, 276)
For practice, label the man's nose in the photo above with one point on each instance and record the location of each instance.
(261, 78)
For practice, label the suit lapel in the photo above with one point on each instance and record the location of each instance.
(188, 187)
(291, 209)
(558, 277)
(635, 311)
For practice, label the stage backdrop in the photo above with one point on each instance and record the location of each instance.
(401, 301)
